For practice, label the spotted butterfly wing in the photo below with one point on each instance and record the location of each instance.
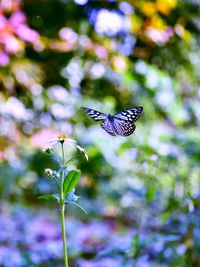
(123, 121)
(130, 115)
(95, 115)
(123, 128)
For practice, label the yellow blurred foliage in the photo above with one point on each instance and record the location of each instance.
(182, 32)
(136, 23)
(119, 63)
(156, 22)
(165, 6)
(148, 8)
(187, 36)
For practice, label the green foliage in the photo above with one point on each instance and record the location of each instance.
(135, 246)
(50, 197)
(71, 181)
(150, 193)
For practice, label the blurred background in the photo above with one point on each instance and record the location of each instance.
(141, 192)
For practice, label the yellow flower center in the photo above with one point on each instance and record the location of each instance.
(62, 137)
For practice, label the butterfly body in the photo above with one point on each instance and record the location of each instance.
(120, 124)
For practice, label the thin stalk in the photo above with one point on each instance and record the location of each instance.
(57, 183)
(62, 212)
(63, 154)
(77, 155)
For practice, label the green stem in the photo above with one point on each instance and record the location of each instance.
(63, 154)
(62, 212)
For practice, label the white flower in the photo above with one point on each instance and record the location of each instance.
(60, 139)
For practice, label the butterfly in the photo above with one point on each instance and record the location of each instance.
(120, 124)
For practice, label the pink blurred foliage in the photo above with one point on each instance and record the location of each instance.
(14, 31)
(27, 34)
(4, 59)
(100, 51)
(160, 37)
(68, 34)
(41, 138)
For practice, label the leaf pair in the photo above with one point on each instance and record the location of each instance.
(69, 184)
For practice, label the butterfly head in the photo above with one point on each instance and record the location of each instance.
(110, 117)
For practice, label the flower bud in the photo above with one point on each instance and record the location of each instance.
(48, 172)
(49, 150)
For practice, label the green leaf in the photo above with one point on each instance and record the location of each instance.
(70, 181)
(49, 197)
(135, 245)
(164, 216)
(150, 193)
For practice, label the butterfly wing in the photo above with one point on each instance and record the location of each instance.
(95, 115)
(123, 122)
(108, 127)
(129, 115)
(122, 127)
